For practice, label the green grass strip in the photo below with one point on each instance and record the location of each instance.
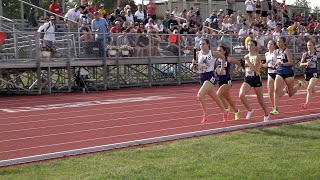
(283, 152)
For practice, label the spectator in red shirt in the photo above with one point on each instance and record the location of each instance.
(55, 7)
(151, 9)
(116, 28)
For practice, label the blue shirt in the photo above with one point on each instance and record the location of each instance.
(102, 24)
(282, 57)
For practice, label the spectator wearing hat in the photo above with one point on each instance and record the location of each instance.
(73, 14)
(165, 22)
(116, 28)
(123, 16)
(151, 9)
(100, 27)
(102, 10)
(139, 14)
(49, 29)
(184, 29)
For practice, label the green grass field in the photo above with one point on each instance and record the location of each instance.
(283, 152)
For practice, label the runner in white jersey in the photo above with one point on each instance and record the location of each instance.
(205, 61)
(310, 61)
(271, 60)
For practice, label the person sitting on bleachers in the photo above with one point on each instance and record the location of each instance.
(139, 15)
(86, 33)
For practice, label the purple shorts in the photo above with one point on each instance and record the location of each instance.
(208, 76)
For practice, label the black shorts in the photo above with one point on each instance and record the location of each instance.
(285, 76)
(273, 75)
(308, 76)
(264, 14)
(230, 11)
(249, 12)
(253, 81)
(258, 11)
(227, 82)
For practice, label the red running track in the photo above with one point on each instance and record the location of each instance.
(36, 125)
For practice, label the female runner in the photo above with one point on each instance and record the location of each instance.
(271, 60)
(309, 60)
(284, 75)
(253, 79)
(224, 80)
(205, 62)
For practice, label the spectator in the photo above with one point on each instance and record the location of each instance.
(176, 13)
(165, 22)
(193, 25)
(150, 23)
(99, 26)
(146, 20)
(117, 11)
(160, 26)
(84, 11)
(272, 23)
(140, 28)
(249, 9)
(173, 21)
(85, 32)
(129, 17)
(139, 15)
(143, 43)
(151, 9)
(73, 15)
(190, 13)
(55, 7)
(184, 29)
(123, 16)
(171, 28)
(230, 4)
(264, 10)
(49, 29)
(91, 9)
(116, 28)
(258, 10)
(183, 17)
(102, 10)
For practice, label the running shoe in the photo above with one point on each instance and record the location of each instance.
(237, 115)
(301, 83)
(266, 118)
(249, 113)
(225, 116)
(228, 109)
(274, 112)
(204, 118)
(304, 106)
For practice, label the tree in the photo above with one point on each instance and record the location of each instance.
(301, 6)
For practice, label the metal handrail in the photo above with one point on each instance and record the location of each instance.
(10, 20)
(47, 11)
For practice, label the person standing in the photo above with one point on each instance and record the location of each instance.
(285, 74)
(252, 79)
(100, 27)
(151, 9)
(310, 60)
(205, 64)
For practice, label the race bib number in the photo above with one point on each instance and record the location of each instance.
(213, 80)
(249, 72)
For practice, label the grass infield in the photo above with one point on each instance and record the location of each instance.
(283, 152)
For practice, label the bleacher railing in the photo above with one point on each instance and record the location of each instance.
(116, 60)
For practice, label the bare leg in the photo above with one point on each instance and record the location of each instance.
(270, 86)
(259, 94)
(245, 88)
(278, 90)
